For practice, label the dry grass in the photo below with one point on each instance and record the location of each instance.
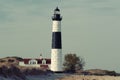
(81, 77)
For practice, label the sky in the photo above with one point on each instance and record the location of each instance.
(90, 28)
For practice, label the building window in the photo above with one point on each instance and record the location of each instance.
(43, 61)
(33, 62)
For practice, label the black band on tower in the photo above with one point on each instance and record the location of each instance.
(56, 40)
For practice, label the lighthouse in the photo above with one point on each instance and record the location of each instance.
(56, 52)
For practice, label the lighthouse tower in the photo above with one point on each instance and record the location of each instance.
(56, 52)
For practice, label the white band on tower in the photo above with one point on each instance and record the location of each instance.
(56, 26)
(56, 60)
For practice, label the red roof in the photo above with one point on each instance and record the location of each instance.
(44, 66)
(26, 60)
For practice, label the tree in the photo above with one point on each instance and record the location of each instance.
(73, 63)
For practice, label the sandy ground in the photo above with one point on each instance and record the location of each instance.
(81, 77)
(67, 77)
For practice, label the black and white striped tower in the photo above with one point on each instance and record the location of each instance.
(56, 52)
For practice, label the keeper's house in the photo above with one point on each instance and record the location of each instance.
(42, 63)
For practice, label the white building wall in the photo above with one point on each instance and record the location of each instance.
(32, 65)
(21, 63)
(28, 65)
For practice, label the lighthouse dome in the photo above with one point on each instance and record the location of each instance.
(57, 9)
(56, 15)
